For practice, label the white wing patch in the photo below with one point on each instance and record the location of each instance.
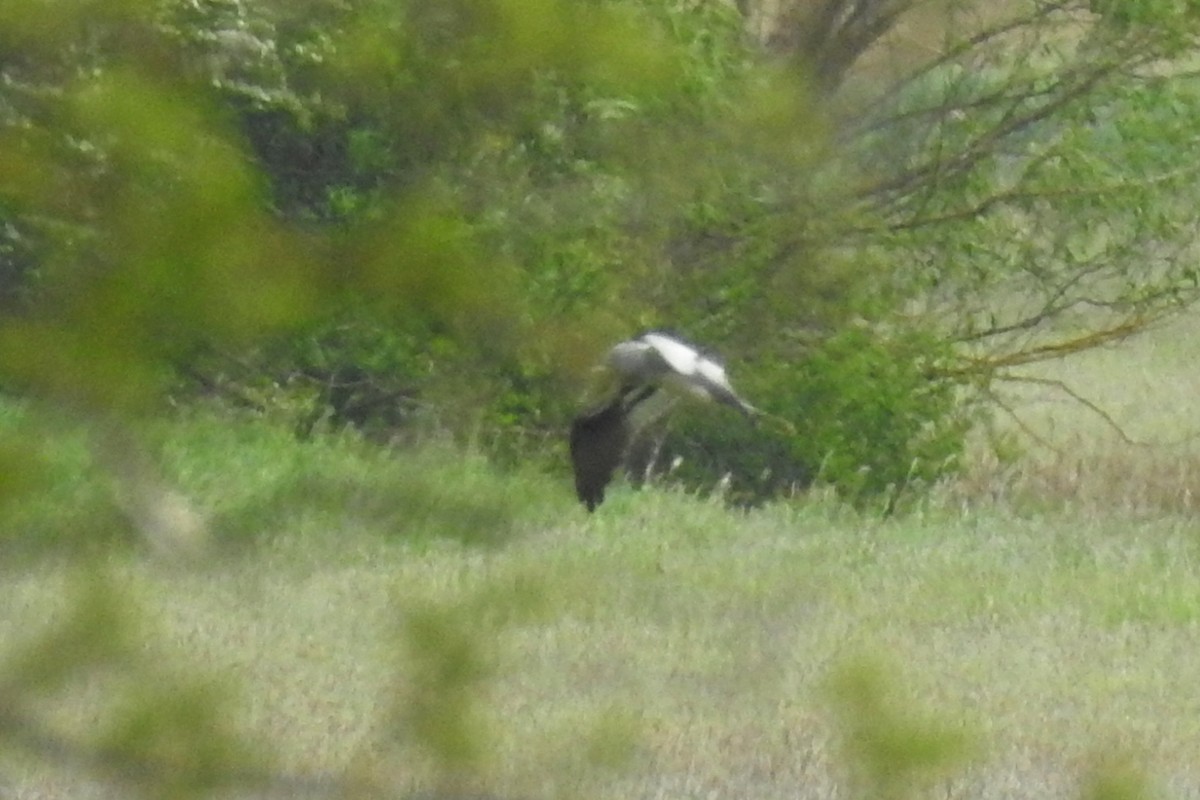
(713, 372)
(687, 361)
(679, 357)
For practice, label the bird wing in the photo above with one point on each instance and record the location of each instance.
(712, 375)
(598, 443)
(700, 374)
(680, 357)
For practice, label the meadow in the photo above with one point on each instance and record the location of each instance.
(1028, 632)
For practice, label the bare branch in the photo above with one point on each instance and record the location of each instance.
(1022, 196)
(1090, 405)
(998, 401)
(900, 187)
(992, 365)
(969, 45)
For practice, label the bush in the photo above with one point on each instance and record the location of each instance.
(875, 417)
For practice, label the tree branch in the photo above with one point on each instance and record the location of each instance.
(901, 186)
(1090, 405)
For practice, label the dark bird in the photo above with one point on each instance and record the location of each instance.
(652, 364)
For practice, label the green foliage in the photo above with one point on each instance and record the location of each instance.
(571, 183)
(49, 499)
(447, 210)
(254, 481)
(431, 491)
(449, 648)
(1117, 778)
(137, 155)
(158, 734)
(475, 226)
(873, 416)
(437, 712)
(448, 205)
(147, 276)
(1168, 24)
(896, 755)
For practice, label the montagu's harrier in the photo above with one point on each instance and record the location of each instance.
(645, 368)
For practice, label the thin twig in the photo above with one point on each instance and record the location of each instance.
(1090, 405)
(1020, 423)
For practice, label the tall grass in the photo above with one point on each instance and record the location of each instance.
(255, 480)
(694, 648)
(667, 646)
(417, 619)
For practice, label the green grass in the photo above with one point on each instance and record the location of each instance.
(693, 645)
(1040, 619)
(256, 481)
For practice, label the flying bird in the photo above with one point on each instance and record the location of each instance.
(646, 368)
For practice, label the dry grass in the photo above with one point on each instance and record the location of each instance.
(1135, 451)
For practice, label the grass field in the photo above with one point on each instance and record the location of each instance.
(712, 639)
(665, 647)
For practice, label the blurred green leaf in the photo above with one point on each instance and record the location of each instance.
(894, 751)
(96, 633)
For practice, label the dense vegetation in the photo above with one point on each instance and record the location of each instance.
(369, 220)
(438, 217)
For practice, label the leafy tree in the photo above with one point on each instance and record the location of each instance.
(1023, 168)
(1013, 189)
(1009, 185)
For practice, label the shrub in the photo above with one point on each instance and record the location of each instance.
(875, 417)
